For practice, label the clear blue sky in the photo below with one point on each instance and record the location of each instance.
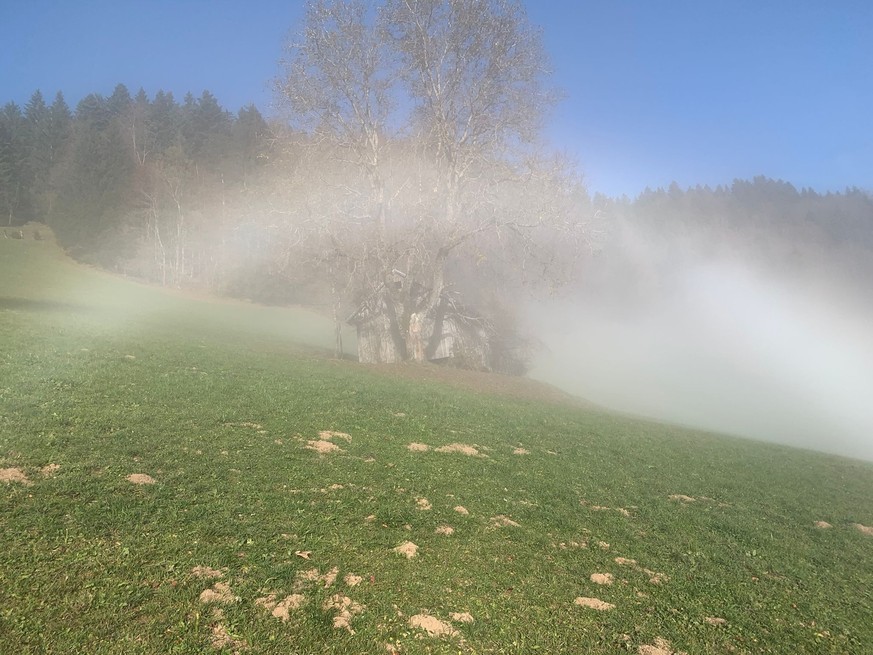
(696, 91)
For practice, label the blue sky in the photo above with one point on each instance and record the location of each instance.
(696, 91)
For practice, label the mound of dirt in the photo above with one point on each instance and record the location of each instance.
(219, 593)
(407, 549)
(602, 578)
(432, 626)
(323, 447)
(464, 449)
(418, 447)
(49, 470)
(594, 603)
(140, 478)
(502, 521)
(863, 529)
(206, 572)
(11, 475)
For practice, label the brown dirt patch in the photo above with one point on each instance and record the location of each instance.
(462, 448)
(462, 617)
(422, 504)
(460, 509)
(594, 603)
(418, 447)
(602, 545)
(140, 478)
(11, 475)
(219, 593)
(346, 610)
(206, 572)
(501, 521)
(682, 498)
(624, 561)
(222, 639)
(432, 626)
(49, 470)
(323, 447)
(715, 620)
(602, 578)
(520, 451)
(824, 525)
(863, 529)
(329, 578)
(283, 609)
(660, 647)
(445, 529)
(407, 549)
(330, 434)
(352, 580)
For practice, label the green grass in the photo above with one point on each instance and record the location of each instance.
(106, 378)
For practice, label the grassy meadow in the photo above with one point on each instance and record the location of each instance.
(187, 475)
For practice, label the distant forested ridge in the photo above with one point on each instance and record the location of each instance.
(189, 194)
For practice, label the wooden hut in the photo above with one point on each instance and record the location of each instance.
(465, 335)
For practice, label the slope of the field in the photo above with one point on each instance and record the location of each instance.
(182, 476)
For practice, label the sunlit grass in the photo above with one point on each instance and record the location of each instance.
(218, 401)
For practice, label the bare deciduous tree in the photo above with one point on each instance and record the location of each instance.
(423, 117)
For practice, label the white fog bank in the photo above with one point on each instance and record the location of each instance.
(728, 350)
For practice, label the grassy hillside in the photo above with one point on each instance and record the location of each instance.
(236, 534)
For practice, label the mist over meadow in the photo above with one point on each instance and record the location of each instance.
(758, 326)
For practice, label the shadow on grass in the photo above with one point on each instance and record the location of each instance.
(30, 305)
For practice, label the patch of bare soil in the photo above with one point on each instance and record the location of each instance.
(660, 647)
(445, 530)
(407, 549)
(460, 509)
(352, 580)
(49, 470)
(206, 572)
(329, 578)
(654, 576)
(501, 521)
(140, 478)
(594, 603)
(11, 475)
(462, 617)
(346, 609)
(330, 434)
(520, 451)
(682, 498)
(824, 525)
(418, 447)
(432, 626)
(863, 529)
(281, 609)
(219, 593)
(462, 448)
(323, 447)
(715, 620)
(222, 639)
(602, 578)
(422, 504)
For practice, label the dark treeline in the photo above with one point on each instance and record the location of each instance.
(141, 185)
(189, 194)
